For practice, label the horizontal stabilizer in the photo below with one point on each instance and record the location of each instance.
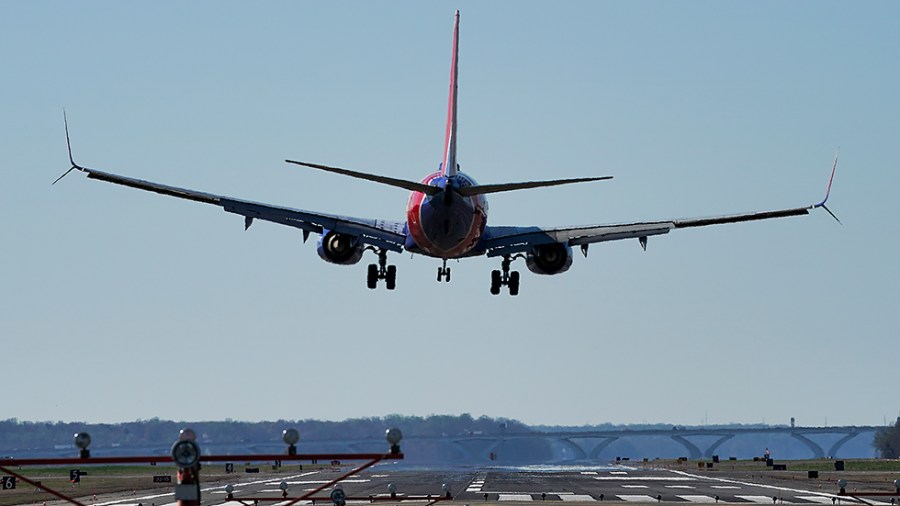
(505, 187)
(400, 183)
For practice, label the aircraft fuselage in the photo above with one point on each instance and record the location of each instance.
(447, 224)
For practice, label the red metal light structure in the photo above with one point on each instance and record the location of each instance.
(185, 453)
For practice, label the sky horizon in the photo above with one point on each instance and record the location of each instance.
(118, 304)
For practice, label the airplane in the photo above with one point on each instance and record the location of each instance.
(446, 217)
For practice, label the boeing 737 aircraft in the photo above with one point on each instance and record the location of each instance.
(446, 217)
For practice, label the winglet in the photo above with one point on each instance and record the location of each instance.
(68, 145)
(828, 190)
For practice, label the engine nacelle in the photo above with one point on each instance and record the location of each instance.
(339, 249)
(549, 259)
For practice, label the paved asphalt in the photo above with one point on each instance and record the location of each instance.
(479, 487)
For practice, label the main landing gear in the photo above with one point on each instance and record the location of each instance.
(504, 277)
(381, 271)
(443, 273)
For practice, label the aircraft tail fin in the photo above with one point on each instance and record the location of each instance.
(449, 164)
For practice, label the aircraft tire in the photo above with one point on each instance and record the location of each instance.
(514, 283)
(372, 277)
(390, 280)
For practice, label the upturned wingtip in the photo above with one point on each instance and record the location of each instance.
(72, 163)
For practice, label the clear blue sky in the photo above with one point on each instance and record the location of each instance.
(118, 304)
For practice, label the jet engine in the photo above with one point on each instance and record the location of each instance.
(339, 249)
(549, 258)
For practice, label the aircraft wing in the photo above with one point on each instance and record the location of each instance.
(389, 235)
(510, 240)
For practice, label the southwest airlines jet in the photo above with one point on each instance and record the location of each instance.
(446, 217)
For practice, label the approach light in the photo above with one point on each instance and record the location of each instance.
(393, 437)
(842, 484)
(446, 488)
(392, 489)
(282, 485)
(338, 497)
(229, 488)
(290, 436)
(82, 441)
(897, 485)
(187, 434)
(186, 453)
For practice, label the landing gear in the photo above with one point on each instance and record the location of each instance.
(504, 277)
(443, 273)
(381, 271)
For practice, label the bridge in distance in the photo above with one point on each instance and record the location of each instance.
(605, 446)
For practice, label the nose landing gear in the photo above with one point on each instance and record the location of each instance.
(381, 271)
(504, 277)
(443, 273)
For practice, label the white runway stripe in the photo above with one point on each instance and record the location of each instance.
(634, 486)
(644, 478)
(759, 499)
(636, 498)
(697, 498)
(821, 499)
(515, 497)
(577, 498)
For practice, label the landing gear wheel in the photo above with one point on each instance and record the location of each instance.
(381, 270)
(443, 273)
(514, 283)
(390, 279)
(504, 277)
(372, 277)
(495, 282)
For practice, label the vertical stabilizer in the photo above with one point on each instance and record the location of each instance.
(449, 163)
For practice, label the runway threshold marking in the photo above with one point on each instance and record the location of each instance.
(697, 498)
(515, 497)
(577, 498)
(815, 498)
(636, 498)
(634, 486)
(759, 499)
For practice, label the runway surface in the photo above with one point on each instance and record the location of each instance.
(473, 487)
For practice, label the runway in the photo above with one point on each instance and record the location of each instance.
(508, 486)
